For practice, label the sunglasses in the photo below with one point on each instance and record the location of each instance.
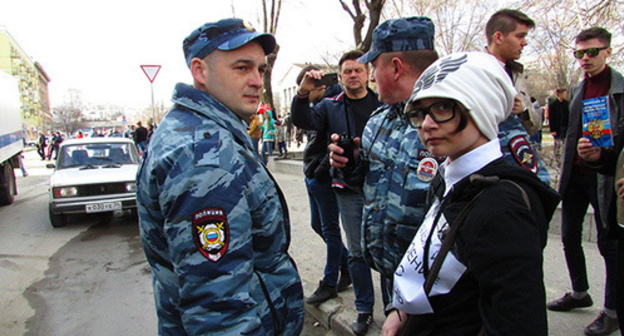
(440, 112)
(591, 52)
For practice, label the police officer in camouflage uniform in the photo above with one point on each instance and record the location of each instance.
(214, 223)
(388, 161)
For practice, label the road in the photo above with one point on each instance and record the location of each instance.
(87, 278)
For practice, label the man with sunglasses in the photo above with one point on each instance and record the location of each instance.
(587, 178)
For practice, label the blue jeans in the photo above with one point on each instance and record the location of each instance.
(582, 191)
(325, 222)
(350, 204)
(267, 146)
(254, 142)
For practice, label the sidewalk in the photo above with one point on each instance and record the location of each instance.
(337, 314)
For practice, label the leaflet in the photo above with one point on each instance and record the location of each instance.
(596, 123)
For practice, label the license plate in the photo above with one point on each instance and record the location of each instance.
(101, 207)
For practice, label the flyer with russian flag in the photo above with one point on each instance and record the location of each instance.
(596, 124)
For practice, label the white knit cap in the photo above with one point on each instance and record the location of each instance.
(477, 81)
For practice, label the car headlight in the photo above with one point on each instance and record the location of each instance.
(131, 187)
(65, 192)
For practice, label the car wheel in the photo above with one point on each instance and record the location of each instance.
(57, 220)
(7, 184)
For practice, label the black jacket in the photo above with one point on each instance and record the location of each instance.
(501, 242)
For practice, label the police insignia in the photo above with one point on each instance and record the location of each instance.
(427, 168)
(523, 153)
(211, 233)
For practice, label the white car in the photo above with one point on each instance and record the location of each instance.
(93, 175)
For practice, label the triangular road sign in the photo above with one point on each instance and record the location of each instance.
(150, 71)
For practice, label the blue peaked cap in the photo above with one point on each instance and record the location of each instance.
(413, 33)
(226, 34)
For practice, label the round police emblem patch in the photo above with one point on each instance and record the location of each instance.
(523, 153)
(211, 233)
(427, 168)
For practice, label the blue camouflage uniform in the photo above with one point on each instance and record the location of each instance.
(215, 227)
(394, 197)
(516, 147)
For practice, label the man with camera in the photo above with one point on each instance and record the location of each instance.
(345, 114)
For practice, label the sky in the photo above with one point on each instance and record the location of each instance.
(98, 47)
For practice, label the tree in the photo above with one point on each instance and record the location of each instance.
(459, 26)
(67, 118)
(271, 14)
(552, 42)
(374, 9)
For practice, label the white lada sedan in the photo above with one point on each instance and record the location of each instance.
(93, 175)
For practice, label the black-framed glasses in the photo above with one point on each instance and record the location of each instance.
(591, 52)
(440, 112)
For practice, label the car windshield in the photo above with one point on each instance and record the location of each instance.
(97, 154)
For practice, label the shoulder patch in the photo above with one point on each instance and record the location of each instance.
(211, 233)
(523, 153)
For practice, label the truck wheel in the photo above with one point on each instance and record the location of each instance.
(7, 184)
(57, 220)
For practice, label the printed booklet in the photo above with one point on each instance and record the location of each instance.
(596, 124)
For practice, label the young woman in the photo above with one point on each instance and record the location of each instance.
(491, 280)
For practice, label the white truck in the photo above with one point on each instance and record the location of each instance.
(11, 136)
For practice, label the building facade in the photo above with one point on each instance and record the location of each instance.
(33, 84)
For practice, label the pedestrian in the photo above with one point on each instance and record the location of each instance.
(129, 132)
(582, 182)
(140, 137)
(280, 137)
(490, 214)
(387, 161)
(42, 143)
(324, 212)
(80, 135)
(255, 132)
(55, 142)
(268, 133)
(345, 114)
(214, 224)
(536, 139)
(506, 33)
(21, 160)
(558, 112)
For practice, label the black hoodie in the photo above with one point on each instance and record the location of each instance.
(501, 242)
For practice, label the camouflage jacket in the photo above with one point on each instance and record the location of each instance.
(394, 196)
(514, 141)
(215, 227)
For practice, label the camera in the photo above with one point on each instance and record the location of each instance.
(348, 145)
(327, 80)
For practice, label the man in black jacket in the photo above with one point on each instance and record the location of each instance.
(558, 111)
(345, 114)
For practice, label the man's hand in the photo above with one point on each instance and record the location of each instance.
(554, 134)
(518, 106)
(587, 151)
(393, 324)
(307, 83)
(336, 157)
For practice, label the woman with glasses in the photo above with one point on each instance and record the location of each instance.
(475, 265)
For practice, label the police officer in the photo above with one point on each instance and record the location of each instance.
(214, 224)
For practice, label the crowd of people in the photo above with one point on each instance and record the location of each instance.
(433, 176)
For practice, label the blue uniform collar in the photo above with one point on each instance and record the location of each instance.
(206, 105)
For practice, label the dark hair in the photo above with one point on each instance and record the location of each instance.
(600, 33)
(303, 72)
(463, 117)
(560, 91)
(418, 60)
(506, 21)
(351, 55)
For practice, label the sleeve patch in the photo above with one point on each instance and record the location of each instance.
(211, 233)
(523, 153)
